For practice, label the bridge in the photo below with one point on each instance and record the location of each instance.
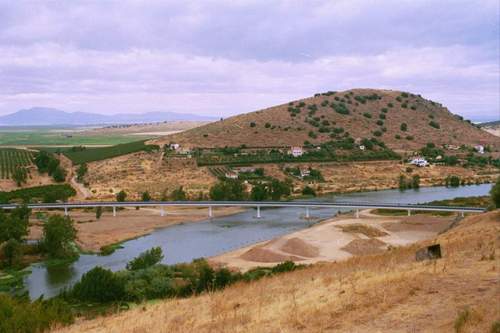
(306, 205)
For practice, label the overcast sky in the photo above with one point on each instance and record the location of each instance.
(227, 57)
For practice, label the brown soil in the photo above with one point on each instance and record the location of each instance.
(259, 254)
(364, 229)
(419, 223)
(360, 247)
(299, 247)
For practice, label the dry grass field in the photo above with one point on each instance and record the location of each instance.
(387, 292)
(285, 130)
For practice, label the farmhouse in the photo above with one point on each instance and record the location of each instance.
(419, 161)
(305, 172)
(479, 149)
(296, 151)
(231, 175)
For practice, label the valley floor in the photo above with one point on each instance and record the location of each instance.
(384, 292)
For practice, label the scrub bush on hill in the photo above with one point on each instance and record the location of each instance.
(99, 285)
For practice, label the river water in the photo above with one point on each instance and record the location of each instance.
(185, 242)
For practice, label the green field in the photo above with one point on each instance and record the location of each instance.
(12, 158)
(79, 155)
(46, 136)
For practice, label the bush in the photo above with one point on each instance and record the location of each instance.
(384, 110)
(14, 225)
(367, 115)
(145, 196)
(308, 191)
(20, 316)
(380, 123)
(377, 133)
(20, 175)
(179, 194)
(495, 193)
(398, 137)
(252, 124)
(230, 189)
(46, 193)
(146, 259)
(13, 253)
(453, 181)
(58, 237)
(432, 123)
(403, 127)
(98, 285)
(286, 266)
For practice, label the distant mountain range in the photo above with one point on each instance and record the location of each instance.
(47, 116)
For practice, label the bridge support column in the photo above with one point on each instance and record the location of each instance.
(66, 213)
(357, 213)
(409, 212)
(114, 211)
(462, 214)
(258, 212)
(162, 211)
(307, 213)
(210, 213)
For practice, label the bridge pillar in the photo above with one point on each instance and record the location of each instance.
(114, 211)
(357, 213)
(258, 212)
(409, 212)
(162, 211)
(210, 213)
(462, 214)
(307, 213)
(66, 213)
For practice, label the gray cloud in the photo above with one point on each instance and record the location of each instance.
(223, 57)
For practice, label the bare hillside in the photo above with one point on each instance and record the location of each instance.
(362, 113)
(387, 292)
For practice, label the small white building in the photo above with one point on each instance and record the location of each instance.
(305, 172)
(296, 151)
(362, 147)
(479, 149)
(174, 146)
(419, 161)
(231, 175)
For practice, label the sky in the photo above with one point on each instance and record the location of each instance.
(222, 58)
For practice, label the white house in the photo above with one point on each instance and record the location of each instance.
(296, 151)
(231, 175)
(174, 146)
(419, 161)
(362, 147)
(479, 149)
(305, 172)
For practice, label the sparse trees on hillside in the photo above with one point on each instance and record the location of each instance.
(403, 127)
(230, 189)
(20, 175)
(81, 172)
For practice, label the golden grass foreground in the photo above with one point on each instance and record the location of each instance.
(388, 292)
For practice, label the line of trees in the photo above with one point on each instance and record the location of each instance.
(47, 163)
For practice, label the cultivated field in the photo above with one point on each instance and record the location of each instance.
(10, 159)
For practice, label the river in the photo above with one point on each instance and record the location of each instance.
(185, 242)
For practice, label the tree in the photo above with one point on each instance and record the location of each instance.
(279, 189)
(53, 165)
(58, 235)
(13, 252)
(403, 127)
(98, 212)
(20, 175)
(259, 192)
(42, 161)
(495, 193)
(59, 174)
(14, 225)
(415, 182)
(146, 259)
(146, 196)
(229, 189)
(402, 183)
(178, 194)
(309, 191)
(81, 172)
(121, 196)
(99, 285)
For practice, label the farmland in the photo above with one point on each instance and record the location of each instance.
(79, 155)
(12, 158)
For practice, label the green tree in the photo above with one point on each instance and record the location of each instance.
(58, 236)
(229, 189)
(403, 127)
(121, 196)
(59, 174)
(308, 191)
(279, 189)
(99, 285)
(81, 172)
(98, 212)
(415, 181)
(146, 259)
(495, 193)
(402, 183)
(14, 225)
(178, 194)
(259, 192)
(146, 196)
(20, 175)
(13, 253)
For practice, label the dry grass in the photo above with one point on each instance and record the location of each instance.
(388, 292)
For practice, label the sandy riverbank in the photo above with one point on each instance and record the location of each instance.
(336, 239)
(93, 234)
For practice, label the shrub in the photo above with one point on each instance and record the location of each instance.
(286, 266)
(14, 225)
(398, 137)
(377, 133)
(121, 196)
(13, 253)
(384, 110)
(267, 125)
(367, 115)
(311, 134)
(390, 105)
(145, 196)
(98, 212)
(434, 124)
(381, 116)
(20, 175)
(495, 193)
(404, 105)
(409, 137)
(178, 194)
(146, 259)
(58, 236)
(252, 124)
(380, 123)
(229, 189)
(403, 127)
(98, 285)
(308, 191)
(404, 95)
(59, 174)
(453, 181)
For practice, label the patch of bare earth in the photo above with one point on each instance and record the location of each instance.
(358, 228)
(386, 292)
(419, 223)
(361, 247)
(300, 247)
(259, 254)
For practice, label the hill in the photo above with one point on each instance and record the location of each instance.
(492, 127)
(38, 116)
(357, 113)
(387, 292)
